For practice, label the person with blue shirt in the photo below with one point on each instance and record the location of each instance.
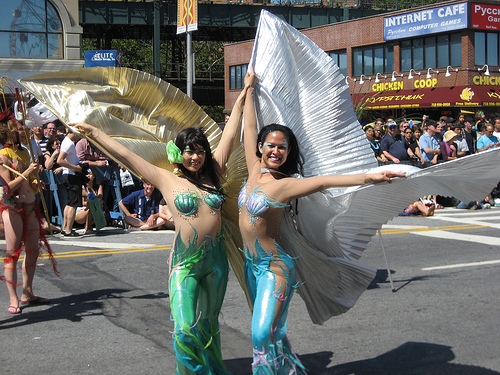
(145, 203)
(429, 144)
(393, 144)
(487, 140)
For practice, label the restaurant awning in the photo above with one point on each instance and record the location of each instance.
(455, 96)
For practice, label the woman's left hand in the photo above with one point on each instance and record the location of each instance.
(250, 77)
(384, 176)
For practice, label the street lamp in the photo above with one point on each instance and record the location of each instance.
(377, 80)
(410, 76)
(394, 74)
(429, 72)
(486, 72)
(448, 71)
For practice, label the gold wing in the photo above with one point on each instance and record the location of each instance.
(143, 113)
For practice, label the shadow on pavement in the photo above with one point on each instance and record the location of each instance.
(382, 277)
(73, 307)
(412, 358)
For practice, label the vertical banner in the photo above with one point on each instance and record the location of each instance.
(187, 11)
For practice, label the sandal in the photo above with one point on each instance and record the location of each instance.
(13, 309)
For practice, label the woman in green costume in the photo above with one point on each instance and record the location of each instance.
(198, 261)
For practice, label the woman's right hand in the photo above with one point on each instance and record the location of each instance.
(33, 167)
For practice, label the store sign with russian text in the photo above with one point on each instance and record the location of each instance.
(427, 21)
(485, 16)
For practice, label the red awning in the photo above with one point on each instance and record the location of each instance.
(457, 96)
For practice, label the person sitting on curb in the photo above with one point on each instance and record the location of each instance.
(144, 205)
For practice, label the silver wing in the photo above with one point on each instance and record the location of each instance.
(301, 87)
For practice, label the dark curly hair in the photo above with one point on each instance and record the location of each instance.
(193, 138)
(295, 161)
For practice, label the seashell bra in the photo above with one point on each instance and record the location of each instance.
(187, 203)
(257, 202)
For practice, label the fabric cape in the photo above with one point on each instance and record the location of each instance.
(301, 87)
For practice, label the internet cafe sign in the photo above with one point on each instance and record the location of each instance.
(426, 21)
(485, 16)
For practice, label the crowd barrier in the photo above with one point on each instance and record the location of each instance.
(55, 193)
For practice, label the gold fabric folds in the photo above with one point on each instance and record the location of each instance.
(143, 113)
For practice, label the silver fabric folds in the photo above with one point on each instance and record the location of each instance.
(301, 87)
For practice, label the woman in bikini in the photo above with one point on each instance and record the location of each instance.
(198, 261)
(21, 218)
(272, 158)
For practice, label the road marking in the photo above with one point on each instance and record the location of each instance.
(432, 229)
(461, 265)
(390, 226)
(457, 212)
(84, 253)
(471, 222)
(485, 240)
(99, 245)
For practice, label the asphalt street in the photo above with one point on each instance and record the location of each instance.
(110, 309)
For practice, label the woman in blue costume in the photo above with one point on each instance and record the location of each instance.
(198, 262)
(272, 158)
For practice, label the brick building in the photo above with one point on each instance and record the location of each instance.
(436, 60)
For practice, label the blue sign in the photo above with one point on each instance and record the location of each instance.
(103, 58)
(426, 21)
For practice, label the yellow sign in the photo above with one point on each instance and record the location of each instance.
(486, 81)
(187, 14)
(387, 86)
(425, 83)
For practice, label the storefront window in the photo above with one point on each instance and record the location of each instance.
(487, 48)
(373, 59)
(237, 76)
(480, 48)
(431, 52)
(340, 58)
(455, 50)
(418, 54)
(492, 49)
(30, 29)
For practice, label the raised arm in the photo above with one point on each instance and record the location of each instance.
(221, 155)
(18, 179)
(250, 131)
(154, 175)
(294, 188)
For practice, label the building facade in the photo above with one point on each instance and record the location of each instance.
(39, 36)
(435, 60)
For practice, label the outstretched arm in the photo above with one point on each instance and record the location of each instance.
(154, 175)
(250, 130)
(295, 188)
(221, 155)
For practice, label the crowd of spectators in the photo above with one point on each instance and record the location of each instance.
(425, 142)
(82, 174)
